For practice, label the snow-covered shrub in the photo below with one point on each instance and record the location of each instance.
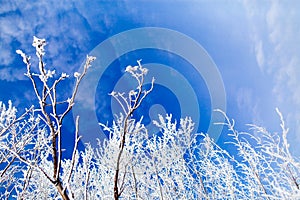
(129, 164)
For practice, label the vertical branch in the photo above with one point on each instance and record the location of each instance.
(71, 169)
(26, 182)
(159, 183)
(47, 96)
(87, 179)
(77, 138)
(135, 183)
(132, 103)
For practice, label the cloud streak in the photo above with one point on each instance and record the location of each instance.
(63, 27)
(277, 48)
(11, 74)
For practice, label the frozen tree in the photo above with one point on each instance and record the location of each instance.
(177, 163)
(36, 143)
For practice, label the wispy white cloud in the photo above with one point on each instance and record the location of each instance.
(61, 25)
(279, 44)
(248, 104)
(11, 74)
(256, 19)
(260, 57)
(67, 25)
(6, 57)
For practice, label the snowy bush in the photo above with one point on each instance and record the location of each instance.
(129, 164)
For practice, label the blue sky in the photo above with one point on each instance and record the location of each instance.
(254, 44)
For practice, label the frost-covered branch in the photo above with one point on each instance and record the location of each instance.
(45, 86)
(129, 105)
(176, 163)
